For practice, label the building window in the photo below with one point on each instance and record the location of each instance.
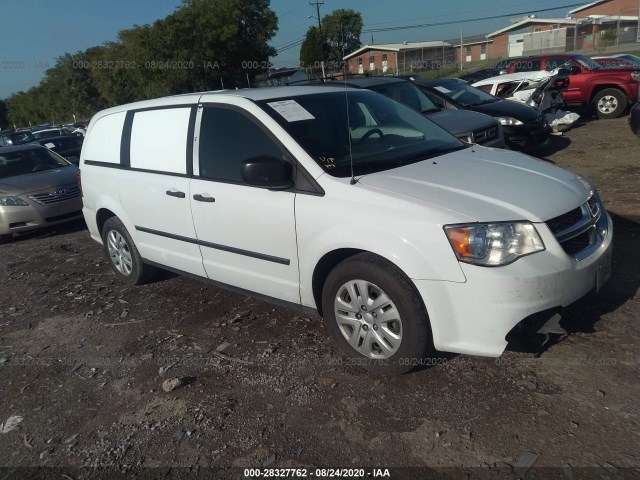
(384, 57)
(483, 49)
(359, 60)
(468, 51)
(371, 59)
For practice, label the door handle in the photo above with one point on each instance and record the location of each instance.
(175, 193)
(203, 198)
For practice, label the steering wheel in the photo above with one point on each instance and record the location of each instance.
(369, 133)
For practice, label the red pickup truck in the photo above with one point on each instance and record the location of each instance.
(608, 91)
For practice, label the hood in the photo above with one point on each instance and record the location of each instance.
(508, 108)
(34, 182)
(461, 121)
(487, 185)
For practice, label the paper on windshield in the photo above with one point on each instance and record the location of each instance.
(291, 110)
(442, 89)
(49, 145)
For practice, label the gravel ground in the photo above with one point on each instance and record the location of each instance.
(83, 362)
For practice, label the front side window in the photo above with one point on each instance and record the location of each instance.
(554, 62)
(359, 128)
(227, 139)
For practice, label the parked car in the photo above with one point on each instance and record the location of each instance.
(607, 91)
(498, 69)
(348, 204)
(49, 133)
(473, 77)
(67, 146)
(38, 188)
(470, 127)
(11, 138)
(634, 114)
(523, 126)
(634, 119)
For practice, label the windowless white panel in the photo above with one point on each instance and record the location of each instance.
(103, 143)
(159, 140)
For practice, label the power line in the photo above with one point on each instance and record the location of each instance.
(455, 22)
(437, 24)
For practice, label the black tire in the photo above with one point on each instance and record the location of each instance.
(608, 96)
(416, 340)
(139, 272)
(5, 238)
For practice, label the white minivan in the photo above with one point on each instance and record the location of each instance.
(347, 204)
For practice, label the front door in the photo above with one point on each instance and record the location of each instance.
(246, 234)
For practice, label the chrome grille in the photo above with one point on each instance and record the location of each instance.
(582, 230)
(56, 194)
(485, 135)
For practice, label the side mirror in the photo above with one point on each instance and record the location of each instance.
(575, 70)
(267, 172)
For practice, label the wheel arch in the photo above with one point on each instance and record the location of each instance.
(331, 259)
(598, 88)
(102, 215)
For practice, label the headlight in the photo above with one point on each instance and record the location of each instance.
(493, 244)
(509, 121)
(12, 202)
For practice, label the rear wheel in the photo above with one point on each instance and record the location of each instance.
(609, 103)
(124, 258)
(375, 315)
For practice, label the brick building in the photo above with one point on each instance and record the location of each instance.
(399, 57)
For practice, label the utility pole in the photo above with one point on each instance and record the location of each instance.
(461, 47)
(317, 4)
(638, 29)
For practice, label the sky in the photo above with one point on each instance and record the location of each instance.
(33, 33)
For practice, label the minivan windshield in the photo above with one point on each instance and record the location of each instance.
(376, 132)
(464, 94)
(23, 162)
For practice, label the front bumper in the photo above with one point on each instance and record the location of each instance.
(527, 135)
(34, 216)
(474, 317)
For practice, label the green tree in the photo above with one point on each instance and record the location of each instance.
(310, 50)
(341, 29)
(202, 43)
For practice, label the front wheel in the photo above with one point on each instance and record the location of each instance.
(375, 315)
(609, 103)
(124, 258)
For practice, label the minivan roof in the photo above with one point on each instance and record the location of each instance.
(255, 94)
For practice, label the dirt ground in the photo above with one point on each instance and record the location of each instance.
(83, 359)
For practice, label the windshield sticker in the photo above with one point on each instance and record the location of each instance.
(49, 145)
(291, 110)
(328, 162)
(442, 89)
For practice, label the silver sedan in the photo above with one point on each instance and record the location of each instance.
(38, 188)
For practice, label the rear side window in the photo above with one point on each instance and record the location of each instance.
(103, 140)
(227, 139)
(159, 140)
